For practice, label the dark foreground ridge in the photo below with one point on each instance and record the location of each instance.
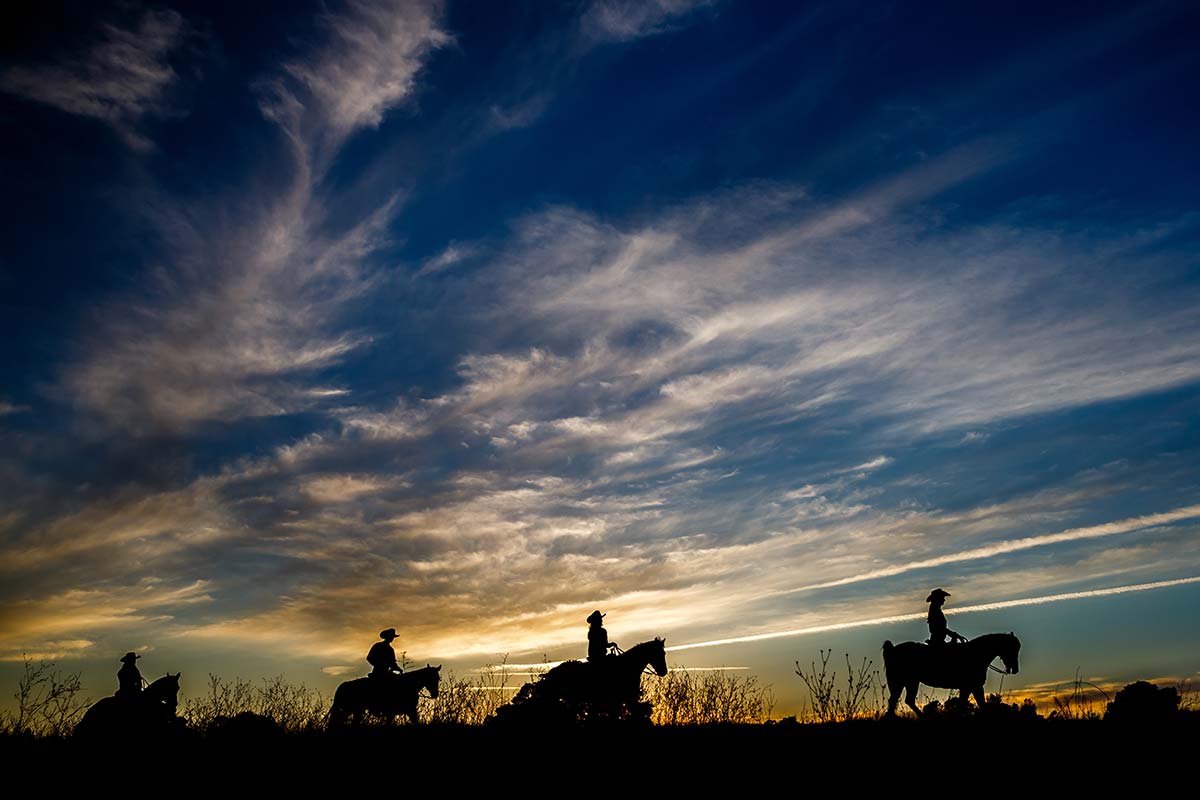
(1033, 751)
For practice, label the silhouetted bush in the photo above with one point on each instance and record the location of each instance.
(468, 701)
(49, 703)
(1144, 703)
(294, 707)
(862, 697)
(995, 709)
(1189, 696)
(700, 698)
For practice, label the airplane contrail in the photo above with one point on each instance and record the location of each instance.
(1013, 545)
(863, 623)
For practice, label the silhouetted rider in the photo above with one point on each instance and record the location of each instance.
(598, 644)
(937, 620)
(382, 657)
(129, 679)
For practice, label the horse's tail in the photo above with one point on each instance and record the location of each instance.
(888, 660)
(339, 713)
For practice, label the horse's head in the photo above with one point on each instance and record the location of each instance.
(1008, 652)
(658, 657)
(165, 690)
(434, 678)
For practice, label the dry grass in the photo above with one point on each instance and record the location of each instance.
(863, 697)
(701, 698)
(1080, 700)
(294, 707)
(468, 701)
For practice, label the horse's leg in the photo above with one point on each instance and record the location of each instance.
(910, 697)
(893, 698)
(978, 692)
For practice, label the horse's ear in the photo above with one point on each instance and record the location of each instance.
(439, 666)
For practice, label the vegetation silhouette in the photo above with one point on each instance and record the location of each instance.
(48, 702)
(1143, 703)
(150, 713)
(962, 666)
(576, 691)
(385, 697)
(830, 703)
(707, 697)
(294, 707)
(246, 726)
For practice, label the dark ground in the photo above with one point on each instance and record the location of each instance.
(940, 757)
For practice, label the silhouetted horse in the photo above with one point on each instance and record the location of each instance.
(948, 666)
(151, 712)
(383, 696)
(610, 688)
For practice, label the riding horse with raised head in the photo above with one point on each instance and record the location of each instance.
(383, 696)
(949, 666)
(150, 712)
(610, 688)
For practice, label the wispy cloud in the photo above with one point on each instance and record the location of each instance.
(7, 408)
(890, 620)
(121, 79)
(367, 66)
(55, 626)
(624, 20)
(631, 378)
(454, 253)
(1015, 545)
(251, 309)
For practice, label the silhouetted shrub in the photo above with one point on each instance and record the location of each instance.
(685, 697)
(862, 697)
(1189, 696)
(1144, 703)
(294, 707)
(995, 709)
(49, 703)
(468, 701)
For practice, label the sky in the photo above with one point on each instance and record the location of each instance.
(746, 323)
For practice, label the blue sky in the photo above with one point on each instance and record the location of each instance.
(730, 319)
